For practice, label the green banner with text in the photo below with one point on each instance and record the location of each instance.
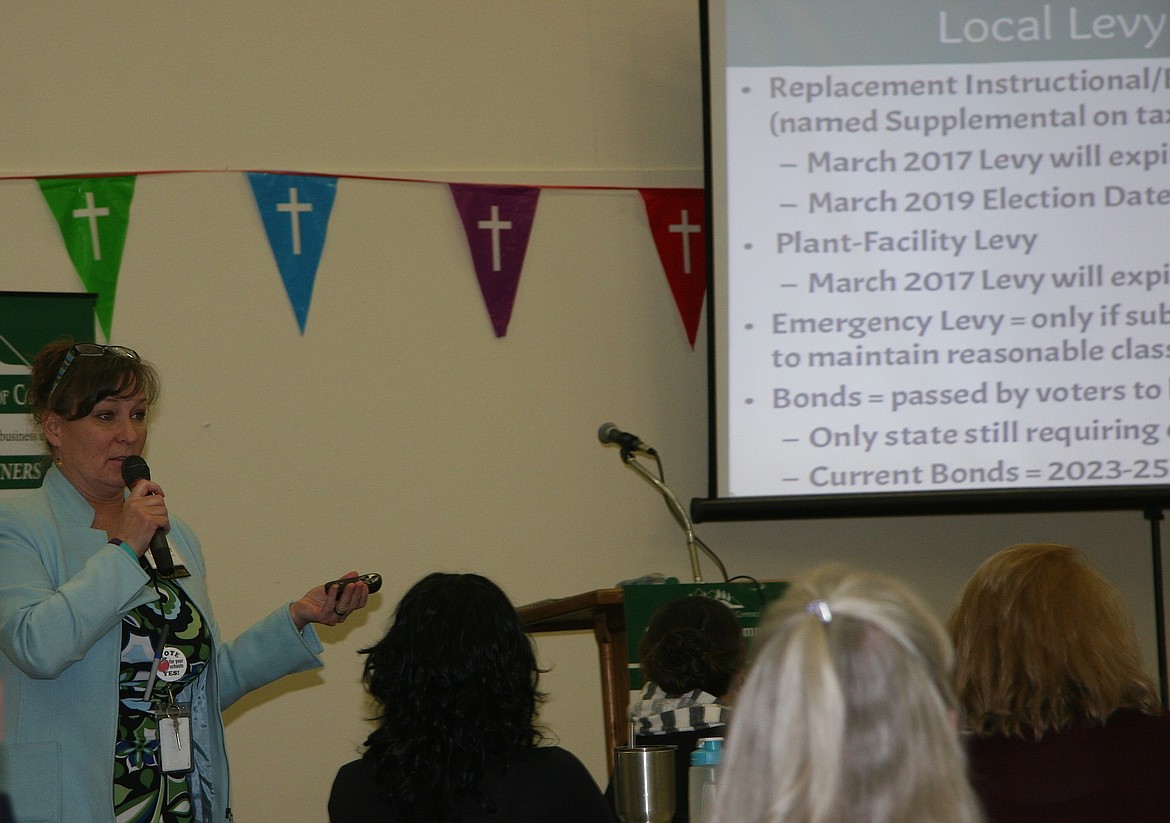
(29, 320)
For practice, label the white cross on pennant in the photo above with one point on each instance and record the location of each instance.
(92, 214)
(495, 225)
(294, 209)
(686, 229)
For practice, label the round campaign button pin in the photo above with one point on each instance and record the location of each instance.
(173, 665)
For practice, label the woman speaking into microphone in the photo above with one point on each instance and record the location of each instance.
(114, 671)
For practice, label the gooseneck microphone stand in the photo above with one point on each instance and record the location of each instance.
(676, 509)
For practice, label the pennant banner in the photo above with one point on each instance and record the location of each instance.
(94, 216)
(679, 225)
(497, 221)
(295, 211)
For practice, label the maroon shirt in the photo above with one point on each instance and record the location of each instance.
(1101, 774)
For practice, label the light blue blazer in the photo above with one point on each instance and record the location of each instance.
(63, 592)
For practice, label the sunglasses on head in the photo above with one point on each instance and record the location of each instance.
(85, 350)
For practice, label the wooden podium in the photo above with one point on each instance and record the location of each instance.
(602, 611)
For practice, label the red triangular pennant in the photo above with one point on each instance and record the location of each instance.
(678, 222)
(497, 221)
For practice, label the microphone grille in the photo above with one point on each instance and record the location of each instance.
(605, 432)
(134, 468)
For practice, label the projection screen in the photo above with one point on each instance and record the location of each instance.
(939, 251)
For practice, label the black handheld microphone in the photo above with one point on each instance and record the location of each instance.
(609, 433)
(134, 468)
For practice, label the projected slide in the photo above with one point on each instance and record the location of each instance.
(942, 246)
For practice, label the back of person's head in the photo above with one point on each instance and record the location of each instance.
(846, 713)
(692, 643)
(1043, 642)
(455, 680)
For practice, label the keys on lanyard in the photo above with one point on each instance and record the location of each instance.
(174, 736)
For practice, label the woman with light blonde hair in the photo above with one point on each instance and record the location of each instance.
(847, 712)
(1064, 722)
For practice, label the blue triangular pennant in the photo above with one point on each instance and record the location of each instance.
(295, 210)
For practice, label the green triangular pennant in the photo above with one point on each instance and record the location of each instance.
(94, 214)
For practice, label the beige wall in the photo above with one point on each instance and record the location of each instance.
(397, 434)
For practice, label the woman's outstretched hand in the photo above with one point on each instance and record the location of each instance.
(332, 607)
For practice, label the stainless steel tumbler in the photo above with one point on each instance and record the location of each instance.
(644, 783)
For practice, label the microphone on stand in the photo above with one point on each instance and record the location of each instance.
(630, 443)
(134, 468)
(609, 433)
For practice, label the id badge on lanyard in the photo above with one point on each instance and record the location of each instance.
(174, 737)
(174, 719)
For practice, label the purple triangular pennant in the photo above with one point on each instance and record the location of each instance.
(497, 221)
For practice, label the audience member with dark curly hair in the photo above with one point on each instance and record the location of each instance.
(691, 658)
(1063, 722)
(455, 680)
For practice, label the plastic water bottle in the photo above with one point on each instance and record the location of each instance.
(705, 760)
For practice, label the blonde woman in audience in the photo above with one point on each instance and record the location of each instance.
(847, 713)
(1065, 724)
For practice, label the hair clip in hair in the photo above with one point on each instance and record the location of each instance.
(820, 610)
